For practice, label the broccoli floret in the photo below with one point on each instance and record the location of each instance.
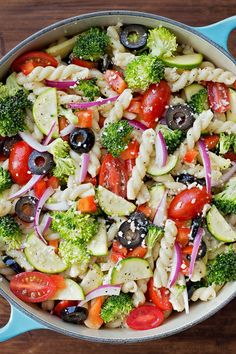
(199, 101)
(12, 113)
(173, 138)
(10, 233)
(143, 71)
(5, 179)
(222, 269)
(226, 143)
(65, 166)
(4, 92)
(161, 42)
(75, 227)
(116, 136)
(73, 253)
(91, 44)
(88, 88)
(12, 85)
(154, 234)
(116, 307)
(225, 201)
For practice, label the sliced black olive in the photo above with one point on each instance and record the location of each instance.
(201, 251)
(10, 262)
(190, 288)
(105, 63)
(134, 37)
(74, 314)
(196, 223)
(82, 140)
(186, 178)
(9, 143)
(133, 231)
(2, 141)
(40, 163)
(179, 117)
(25, 208)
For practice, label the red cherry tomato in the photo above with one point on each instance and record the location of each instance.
(154, 103)
(62, 305)
(28, 61)
(39, 188)
(131, 152)
(183, 236)
(145, 317)
(188, 204)
(53, 182)
(85, 63)
(18, 163)
(138, 252)
(218, 96)
(59, 281)
(160, 297)
(113, 175)
(184, 268)
(115, 80)
(230, 155)
(211, 141)
(33, 286)
(129, 164)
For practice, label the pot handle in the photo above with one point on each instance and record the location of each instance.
(219, 32)
(18, 323)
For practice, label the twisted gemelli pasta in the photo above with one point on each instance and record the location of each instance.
(199, 271)
(178, 81)
(8, 206)
(113, 34)
(217, 126)
(141, 163)
(123, 59)
(62, 72)
(161, 272)
(200, 124)
(48, 305)
(129, 287)
(139, 295)
(143, 195)
(101, 83)
(120, 106)
(94, 159)
(204, 294)
(176, 296)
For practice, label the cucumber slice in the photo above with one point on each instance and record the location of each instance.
(92, 280)
(130, 269)
(62, 49)
(231, 113)
(72, 291)
(156, 195)
(42, 257)
(112, 204)
(188, 61)
(98, 245)
(192, 90)
(45, 111)
(218, 226)
(153, 170)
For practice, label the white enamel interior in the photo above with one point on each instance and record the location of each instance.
(198, 311)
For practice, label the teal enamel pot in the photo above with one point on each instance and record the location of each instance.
(212, 42)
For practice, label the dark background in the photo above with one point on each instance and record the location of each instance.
(19, 19)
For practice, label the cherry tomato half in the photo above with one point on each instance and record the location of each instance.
(28, 61)
(211, 141)
(113, 175)
(33, 286)
(154, 102)
(115, 80)
(145, 317)
(188, 204)
(218, 96)
(18, 163)
(159, 297)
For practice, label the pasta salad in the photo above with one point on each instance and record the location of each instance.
(117, 177)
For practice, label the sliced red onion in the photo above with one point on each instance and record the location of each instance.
(60, 206)
(161, 150)
(226, 176)
(48, 192)
(84, 167)
(103, 290)
(26, 187)
(60, 84)
(129, 115)
(160, 215)
(162, 121)
(45, 224)
(176, 264)
(196, 245)
(50, 133)
(67, 130)
(137, 125)
(100, 102)
(206, 163)
(28, 138)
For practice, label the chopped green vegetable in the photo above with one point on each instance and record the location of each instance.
(88, 88)
(161, 42)
(225, 201)
(116, 307)
(199, 101)
(10, 233)
(116, 137)
(91, 44)
(226, 143)
(154, 234)
(72, 253)
(222, 269)
(173, 138)
(144, 71)
(5, 180)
